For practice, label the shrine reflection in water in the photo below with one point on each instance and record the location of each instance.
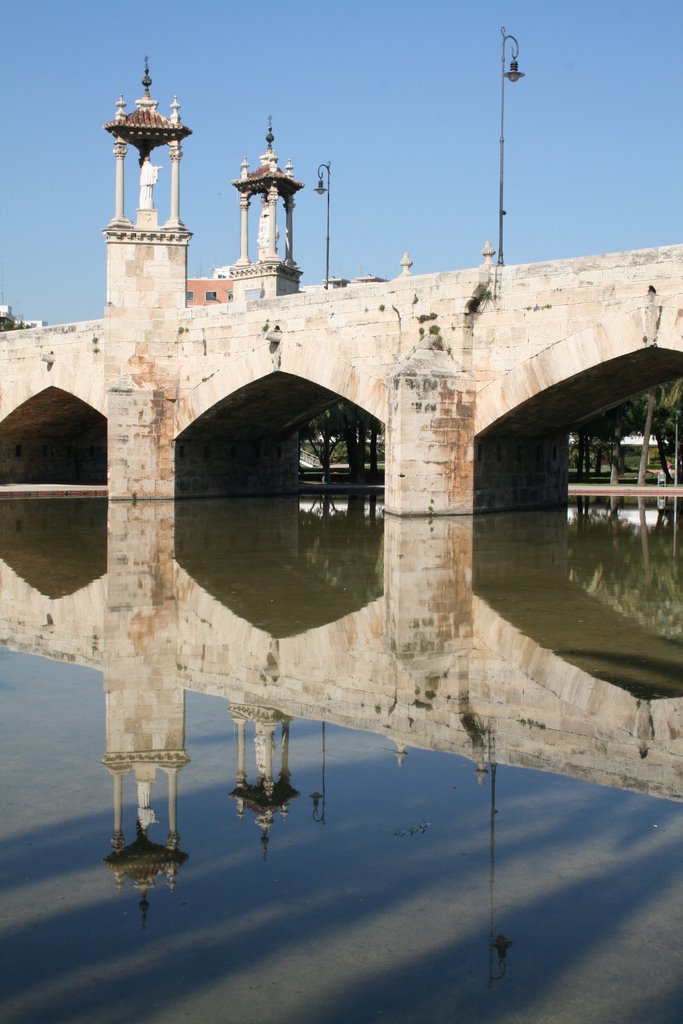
(304, 764)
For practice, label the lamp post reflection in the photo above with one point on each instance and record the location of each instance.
(319, 798)
(501, 943)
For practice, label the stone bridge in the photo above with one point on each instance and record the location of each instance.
(478, 375)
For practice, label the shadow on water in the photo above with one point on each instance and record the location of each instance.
(586, 601)
(56, 546)
(285, 570)
(356, 965)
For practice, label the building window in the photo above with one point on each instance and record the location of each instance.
(211, 296)
(230, 296)
(17, 451)
(189, 296)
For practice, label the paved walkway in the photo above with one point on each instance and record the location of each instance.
(100, 490)
(53, 491)
(628, 490)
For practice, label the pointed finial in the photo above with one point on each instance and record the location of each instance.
(401, 753)
(175, 111)
(147, 81)
(488, 252)
(406, 264)
(270, 138)
(120, 107)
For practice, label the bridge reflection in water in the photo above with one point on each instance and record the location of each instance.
(509, 640)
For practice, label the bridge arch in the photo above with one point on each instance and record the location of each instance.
(50, 434)
(328, 372)
(65, 376)
(237, 432)
(573, 379)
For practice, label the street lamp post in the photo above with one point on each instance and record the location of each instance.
(513, 74)
(676, 422)
(321, 190)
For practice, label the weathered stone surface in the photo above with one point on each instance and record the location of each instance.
(477, 396)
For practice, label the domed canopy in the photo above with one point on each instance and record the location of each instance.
(146, 128)
(268, 174)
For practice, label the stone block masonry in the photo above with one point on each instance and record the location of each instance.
(477, 374)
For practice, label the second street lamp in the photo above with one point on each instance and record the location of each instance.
(513, 74)
(321, 190)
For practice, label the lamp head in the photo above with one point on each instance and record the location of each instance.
(514, 74)
(321, 190)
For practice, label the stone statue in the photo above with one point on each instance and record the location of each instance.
(264, 228)
(263, 239)
(149, 175)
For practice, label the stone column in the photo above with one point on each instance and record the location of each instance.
(120, 150)
(244, 260)
(272, 224)
(289, 240)
(176, 152)
(172, 774)
(117, 840)
(241, 727)
(264, 740)
(284, 761)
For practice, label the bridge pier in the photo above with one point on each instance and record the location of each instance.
(147, 273)
(429, 467)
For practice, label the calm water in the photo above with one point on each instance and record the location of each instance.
(380, 770)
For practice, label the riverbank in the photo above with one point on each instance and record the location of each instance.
(627, 490)
(53, 491)
(100, 490)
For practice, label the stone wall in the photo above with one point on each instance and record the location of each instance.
(221, 466)
(519, 473)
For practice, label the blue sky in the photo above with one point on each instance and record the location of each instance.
(404, 101)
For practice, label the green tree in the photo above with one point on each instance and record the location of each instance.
(323, 435)
(345, 431)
